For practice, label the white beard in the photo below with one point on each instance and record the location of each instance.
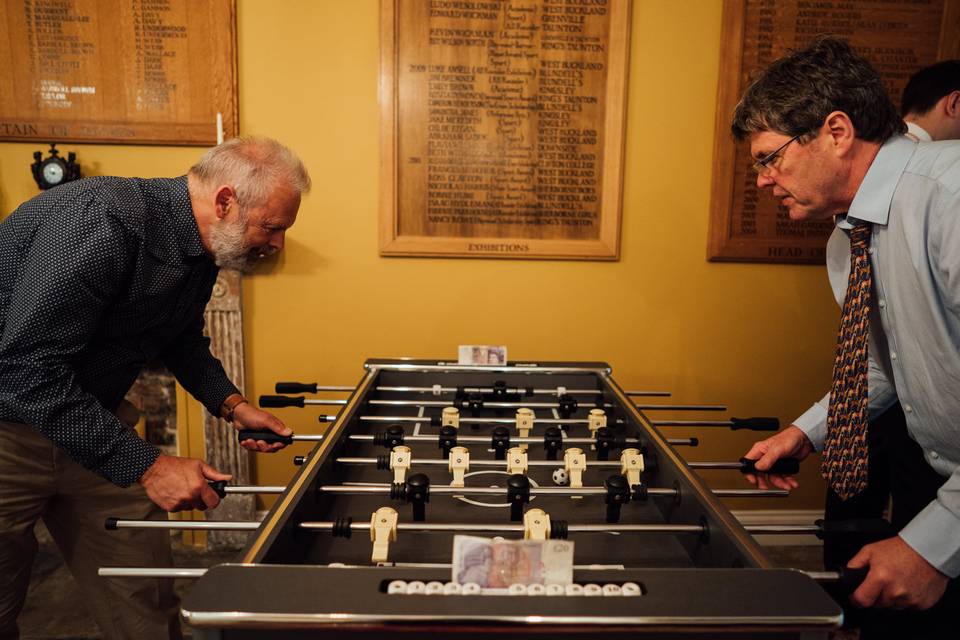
(229, 251)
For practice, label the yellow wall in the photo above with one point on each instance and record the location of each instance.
(756, 337)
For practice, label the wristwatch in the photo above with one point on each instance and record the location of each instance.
(230, 405)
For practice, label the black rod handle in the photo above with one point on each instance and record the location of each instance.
(296, 387)
(850, 579)
(783, 466)
(755, 424)
(267, 436)
(281, 401)
(219, 487)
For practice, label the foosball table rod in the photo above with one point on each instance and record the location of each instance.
(734, 424)
(436, 389)
(275, 402)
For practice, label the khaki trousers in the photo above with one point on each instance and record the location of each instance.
(38, 480)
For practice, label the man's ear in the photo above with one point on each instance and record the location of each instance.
(222, 198)
(952, 104)
(841, 132)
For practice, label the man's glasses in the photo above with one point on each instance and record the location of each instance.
(764, 163)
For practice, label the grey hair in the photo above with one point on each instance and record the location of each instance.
(253, 166)
(796, 93)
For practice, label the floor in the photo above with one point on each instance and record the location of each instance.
(54, 610)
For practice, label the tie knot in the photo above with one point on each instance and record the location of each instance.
(860, 237)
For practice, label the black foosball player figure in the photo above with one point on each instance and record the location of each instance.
(828, 142)
(98, 277)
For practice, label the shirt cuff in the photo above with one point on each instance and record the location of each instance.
(813, 423)
(935, 535)
(215, 394)
(130, 460)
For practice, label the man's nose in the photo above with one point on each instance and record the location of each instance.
(764, 180)
(277, 240)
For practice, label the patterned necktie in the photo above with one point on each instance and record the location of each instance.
(844, 460)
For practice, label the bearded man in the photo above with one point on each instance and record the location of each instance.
(97, 278)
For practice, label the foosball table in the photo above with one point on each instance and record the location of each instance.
(359, 543)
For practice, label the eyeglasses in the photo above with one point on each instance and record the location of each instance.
(764, 163)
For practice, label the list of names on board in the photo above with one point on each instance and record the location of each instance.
(899, 37)
(117, 70)
(501, 120)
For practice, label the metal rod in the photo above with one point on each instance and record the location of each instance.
(514, 528)
(469, 420)
(682, 407)
(446, 403)
(482, 440)
(535, 463)
(322, 402)
(512, 390)
(202, 525)
(342, 387)
(662, 394)
(786, 529)
(149, 572)
(309, 438)
(692, 423)
(254, 489)
(384, 489)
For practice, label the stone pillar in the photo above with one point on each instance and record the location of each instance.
(224, 326)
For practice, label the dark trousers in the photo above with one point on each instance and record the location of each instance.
(897, 470)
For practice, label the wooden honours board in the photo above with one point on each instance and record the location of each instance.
(502, 127)
(121, 71)
(899, 37)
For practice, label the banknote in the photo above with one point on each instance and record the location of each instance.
(499, 563)
(481, 354)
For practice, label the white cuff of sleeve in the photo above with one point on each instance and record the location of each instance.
(935, 535)
(814, 424)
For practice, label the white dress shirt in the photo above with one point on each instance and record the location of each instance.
(911, 194)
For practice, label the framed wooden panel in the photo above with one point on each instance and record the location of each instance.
(899, 37)
(118, 71)
(502, 128)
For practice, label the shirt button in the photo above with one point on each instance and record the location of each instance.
(893, 355)
(934, 455)
(870, 250)
(882, 303)
(908, 408)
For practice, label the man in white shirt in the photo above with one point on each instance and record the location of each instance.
(829, 144)
(931, 102)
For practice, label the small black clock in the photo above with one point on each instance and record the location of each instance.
(54, 170)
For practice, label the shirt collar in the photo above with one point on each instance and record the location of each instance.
(918, 132)
(184, 222)
(873, 198)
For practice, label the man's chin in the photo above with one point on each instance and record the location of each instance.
(244, 264)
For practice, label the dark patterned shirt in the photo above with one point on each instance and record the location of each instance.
(98, 277)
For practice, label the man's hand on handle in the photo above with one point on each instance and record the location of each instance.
(246, 416)
(177, 484)
(792, 443)
(899, 577)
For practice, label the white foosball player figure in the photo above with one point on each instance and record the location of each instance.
(458, 464)
(383, 531)
(400, 462)
(575, 461)
(450, 417)
(536, 525)
(595, 421)
(525, 418)
(631, 465)
(516, 460)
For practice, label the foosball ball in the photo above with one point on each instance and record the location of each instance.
(361, 540)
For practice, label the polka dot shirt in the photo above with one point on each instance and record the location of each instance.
(98, 277)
